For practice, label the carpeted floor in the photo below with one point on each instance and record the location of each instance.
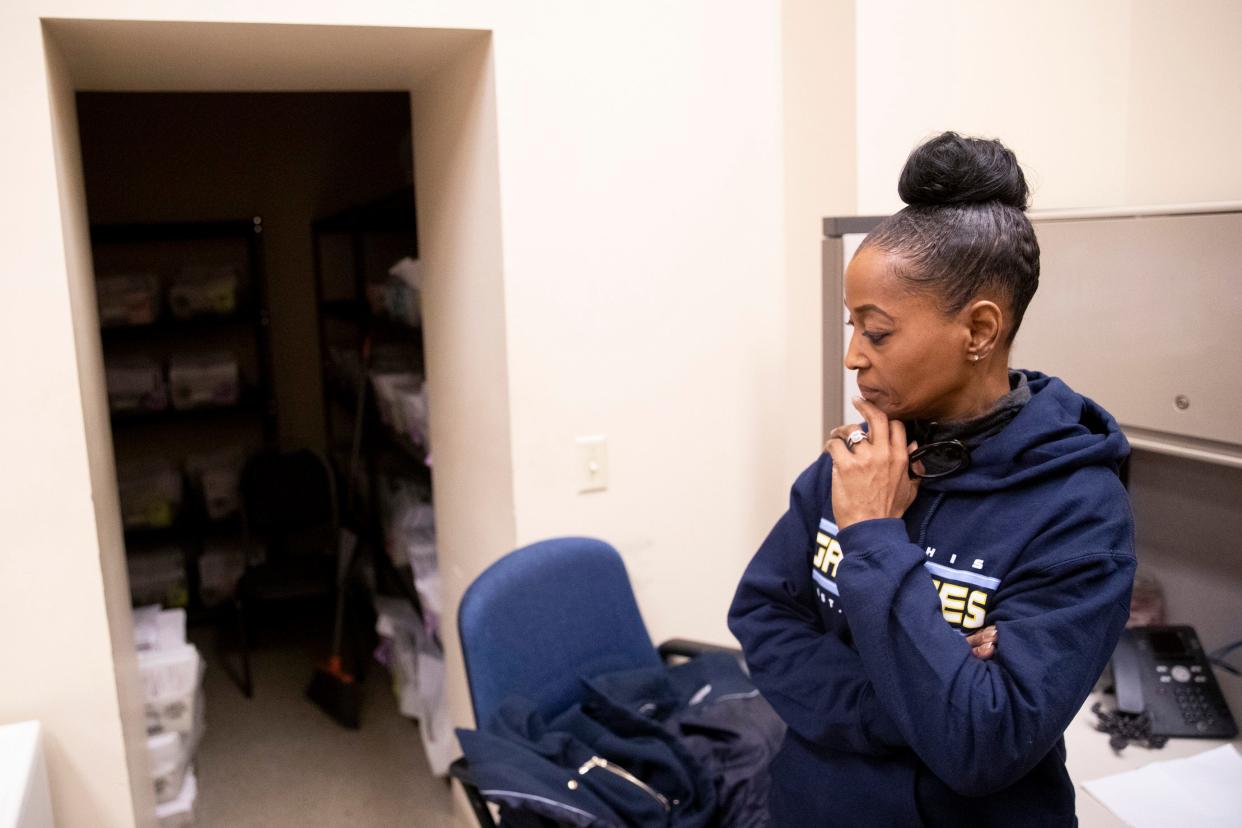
(277, 760)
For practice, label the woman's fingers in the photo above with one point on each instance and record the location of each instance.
(983, 643)
(984, 651)
(897, 437)
(982, 636)
(898, 451)
(839, 453)
(841, 432)
(877, 421)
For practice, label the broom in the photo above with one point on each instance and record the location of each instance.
(331, 688)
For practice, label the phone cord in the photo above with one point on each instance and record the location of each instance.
(1124, 728)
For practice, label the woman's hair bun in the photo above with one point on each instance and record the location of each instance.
(950, 169)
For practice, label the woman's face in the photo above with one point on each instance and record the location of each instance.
(912, 360)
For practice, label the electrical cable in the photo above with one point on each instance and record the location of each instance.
(1217, 657)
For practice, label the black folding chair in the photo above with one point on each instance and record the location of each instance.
(291, 527)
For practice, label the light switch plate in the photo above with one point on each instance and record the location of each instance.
(592, 463)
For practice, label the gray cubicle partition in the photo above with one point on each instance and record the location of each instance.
(1139, 309)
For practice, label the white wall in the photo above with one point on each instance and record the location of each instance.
(454, 120)
(645, 291)
(62, 579)
(1108, 103)
(821, 179)
(613, 199)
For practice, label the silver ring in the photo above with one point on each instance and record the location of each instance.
(854, 438)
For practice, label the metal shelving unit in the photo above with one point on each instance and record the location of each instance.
(248, 324)
(359, 236)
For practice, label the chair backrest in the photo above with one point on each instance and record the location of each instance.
(287, 496)
(544, 615)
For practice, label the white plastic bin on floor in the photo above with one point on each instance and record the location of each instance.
(156, 628)
(170, 760)
(178, 812)
(170, 683)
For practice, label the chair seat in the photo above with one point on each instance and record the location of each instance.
(306, 576)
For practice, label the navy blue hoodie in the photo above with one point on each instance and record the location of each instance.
(857, 636)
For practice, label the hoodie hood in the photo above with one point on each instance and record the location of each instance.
(1058, 430)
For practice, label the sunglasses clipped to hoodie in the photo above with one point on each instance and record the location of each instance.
(940, 458)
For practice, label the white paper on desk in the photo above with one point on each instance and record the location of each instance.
(1202, 790)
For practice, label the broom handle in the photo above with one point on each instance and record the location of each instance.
(355, 446)
(345, 555)
(345, 549)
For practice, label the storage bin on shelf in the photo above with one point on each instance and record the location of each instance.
(344, 369)
(136, 384)
(128, 299)
(220, 566)
(215, 479)
(200, 290)
(398, 297)
(150, 493)
(403, 291)
(416, 662)
(206, 380)
(414, 416)
(157, 576)
(402, 405)
(408, 521)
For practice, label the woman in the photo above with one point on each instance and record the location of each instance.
(976, 507)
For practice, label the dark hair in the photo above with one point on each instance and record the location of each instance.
(965, 230)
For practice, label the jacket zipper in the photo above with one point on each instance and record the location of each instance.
(617, 770)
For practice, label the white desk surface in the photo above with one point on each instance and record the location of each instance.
(25, 801)
(1089, 757)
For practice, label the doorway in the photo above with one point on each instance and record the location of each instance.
(447, 74)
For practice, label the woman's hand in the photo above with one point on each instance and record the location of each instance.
(983, 643)
(871, 480)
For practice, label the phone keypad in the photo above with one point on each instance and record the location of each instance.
(1195, 706)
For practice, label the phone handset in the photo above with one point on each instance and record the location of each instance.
(1128, 675)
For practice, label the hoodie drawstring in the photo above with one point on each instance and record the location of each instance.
(931, 511)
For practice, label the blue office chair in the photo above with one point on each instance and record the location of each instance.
(543, 616)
